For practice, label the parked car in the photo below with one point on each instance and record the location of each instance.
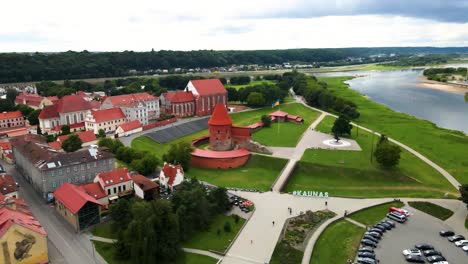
(455, 238)
(435, 258)
(384, 227)
(446, 233)
(423, 246)
(390, 222)
(366, 260)
(465, 248)
(376, 230)
(367, 242)
(461, 243)
(397, 217)
(371, 238)
(374, 234)
(441, 262)
(415, 258)
(366, 249)
(399, 210)
(387, 225)
(366, 255)
(381, 228)
(415, 252)
(431, 252)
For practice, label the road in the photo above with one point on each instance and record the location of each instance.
(65, 245)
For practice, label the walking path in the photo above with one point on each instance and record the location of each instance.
(355, 222)
(202, 252)
(102, 239)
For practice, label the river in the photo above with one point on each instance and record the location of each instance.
(399, 91)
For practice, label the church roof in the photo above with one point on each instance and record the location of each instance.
(220, 116)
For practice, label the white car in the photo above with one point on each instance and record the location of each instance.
(465, 248)
(441, 262)
(461, 243)
(407, 213)
(414, 252)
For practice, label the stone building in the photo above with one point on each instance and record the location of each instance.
(46, 169)
(207, 94)
(106, 119)
(11, 119)
(35, 101)
(178, 103)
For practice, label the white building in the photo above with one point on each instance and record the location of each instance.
(171, 175)
(106, 119)
(143, 107)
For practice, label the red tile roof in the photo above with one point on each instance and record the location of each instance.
(179, 96)
(278, 114)
(7, 184)
(95, 190)
(55, 145)
(73, 197)
(72, 126)
(220, 116)
(220, 154)
(9, 115)
(5, 145)
(130, 125)
(170, 171)
(29, 99)
(144, 183)
(113, 177)
(49, 111)
(255, 125)
(75, 103)
(53, 99)
(130, 99)
(85, 136)
(209, 86)
(107, 114)
(15, 204)
(9, 217)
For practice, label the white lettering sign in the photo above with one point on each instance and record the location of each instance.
(315, 194)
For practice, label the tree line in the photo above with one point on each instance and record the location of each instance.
(27, 67)
(442, 74)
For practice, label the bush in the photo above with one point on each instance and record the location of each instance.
(236, 219)
(266, 120)
(227, 227)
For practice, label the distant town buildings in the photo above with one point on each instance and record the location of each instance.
(87, 138)
(11, 120)
(35, 101)
(106, 119)
(8, 186)
(129, 128)
(139, 106)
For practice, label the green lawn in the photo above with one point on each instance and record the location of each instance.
(210, 240)
(258, 173)
(433, 209)
(373, 215)
(445, 147)
(338, 243)
(289, 134)
(104, 230)
(283, 251)
(252, 83)
(351, 173)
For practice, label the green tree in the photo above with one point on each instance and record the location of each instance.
(255, 99)
(341, 126)
(233, 95)
(106, 142)
(33, 117)
(464, 194)
(72, 143)
(11, 95)
(101, 133)
(227, 227)
(25, 109)
(120, 214)
(179, 153)
(387, 154)
(65, 130)
(219, 200)
(146, 165)
(266, 120)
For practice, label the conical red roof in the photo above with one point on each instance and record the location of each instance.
(220, 116)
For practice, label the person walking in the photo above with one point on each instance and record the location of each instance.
(273, 223)
(326, 203)
(251, 241)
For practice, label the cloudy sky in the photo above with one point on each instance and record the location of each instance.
(140, 25)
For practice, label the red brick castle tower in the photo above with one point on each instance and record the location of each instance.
(220, 125)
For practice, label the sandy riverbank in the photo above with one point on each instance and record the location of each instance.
(423, 82)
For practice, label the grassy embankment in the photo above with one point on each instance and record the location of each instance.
(351, 173)
(433, 209)
(338, 243)
(252, 83)
(447, 148)
(374, 214)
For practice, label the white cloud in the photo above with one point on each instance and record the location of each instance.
(103, 25)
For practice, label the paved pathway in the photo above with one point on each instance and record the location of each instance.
(355, 222)
(102, 239)
(202, 252)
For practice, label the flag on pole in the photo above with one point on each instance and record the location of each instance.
(276, 103)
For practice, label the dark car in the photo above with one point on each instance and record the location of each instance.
(383, 226)
(446, 233)
(423, 246)
(366, 255)
(371, 238)
(431, 252)
(414, 258)
(366, 260)
(387, 225)
(376, 230)
(435, 258)
(455, 238)
(366, 249)
(390, 222)
(374, 234)
(367, 242)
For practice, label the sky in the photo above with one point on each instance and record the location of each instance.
(142, 25)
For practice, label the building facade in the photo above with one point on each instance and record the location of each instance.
(106, 119)
(207, 94)
(46, 169)
(178, 103)
(115, 183)
(143, 107)
(35, 101)
(11, 119)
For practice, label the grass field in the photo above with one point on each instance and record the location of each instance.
(289, 134)
(104, 230)
(351, 173)
(445, 147)
(252, 83)
(433, 209)
(210, 240)
(258, 173)
(338, 243)
(373, 215)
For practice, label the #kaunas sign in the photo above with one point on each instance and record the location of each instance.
(311, 194)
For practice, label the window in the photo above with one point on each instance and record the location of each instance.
(115, 190)
(68, 170)
(75, 168)
(108, 192)
(120, 189)
(60, 171)
(110, 161)
(52, 173)
(124, 187)
(88, 166)
(83, 178)
(54, 185)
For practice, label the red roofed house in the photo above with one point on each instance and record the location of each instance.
(115, 183)
(11, 119)
(22, 237)
(8, 186)
(171, 175)
(138, 106)
(70, 109)
(207, 94)
(6, 152)
(280, 116)
(144, 187)
(78, 208)
(178, 103)
(105, 119)
(88, 138)
(34, 101)
(129, 128)
(95, 190)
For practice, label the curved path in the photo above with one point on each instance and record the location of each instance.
(202, 252)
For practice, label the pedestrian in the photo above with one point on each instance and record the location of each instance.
(326, 203)
(273, 223)
(251, 241)
(345, 213)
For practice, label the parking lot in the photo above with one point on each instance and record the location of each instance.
(420, 228)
